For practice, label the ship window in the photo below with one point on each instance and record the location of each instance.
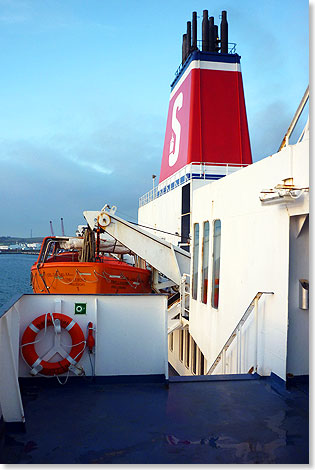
(185, 217)
(195, 262)
(187, 348)
(205, 263)
(194, 357)
(216, 263)
(181, 345)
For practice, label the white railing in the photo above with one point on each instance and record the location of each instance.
(232, 50)
(194, 170)
(237, 333)
(296, 117)
(185, 296)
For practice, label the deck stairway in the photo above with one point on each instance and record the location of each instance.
(173, 312)
(236, 333)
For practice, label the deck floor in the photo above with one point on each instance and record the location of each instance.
(234, 421)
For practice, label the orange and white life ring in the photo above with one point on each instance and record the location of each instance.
(29, 338)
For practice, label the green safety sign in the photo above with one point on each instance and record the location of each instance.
(80, 309)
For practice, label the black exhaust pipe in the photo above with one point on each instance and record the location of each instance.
(184, 48)
(205, 31)
(224, 33)
(194, 30)
(211, 34)
(188, 50)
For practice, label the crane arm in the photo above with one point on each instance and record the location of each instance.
(166, 258)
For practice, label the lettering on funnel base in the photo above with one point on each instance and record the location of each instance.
(176, 128)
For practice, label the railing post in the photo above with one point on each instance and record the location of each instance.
(239, 351)
(256, 333)
(182, 295)
(223, 361)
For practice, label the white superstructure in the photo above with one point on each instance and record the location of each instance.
(264, 234)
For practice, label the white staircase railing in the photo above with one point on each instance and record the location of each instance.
(178, 312)
(236, 333)
(185, 296)
(173, 314)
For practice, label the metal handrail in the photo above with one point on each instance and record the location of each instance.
(184, 312)
(296, 117)
(232, 50)
(236, 329)
(202, 170)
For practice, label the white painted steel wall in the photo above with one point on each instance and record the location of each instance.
(254, 255)
(131, 330)
(11, 407)
(130, 337)
(164, 213)
(298, 331)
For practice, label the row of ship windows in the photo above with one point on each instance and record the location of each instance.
(188, 353)
(204, 274)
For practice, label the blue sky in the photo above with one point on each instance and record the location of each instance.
(84, 97)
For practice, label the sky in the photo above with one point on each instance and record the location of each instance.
(84, 97)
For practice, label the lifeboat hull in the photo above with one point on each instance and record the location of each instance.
(110, 277)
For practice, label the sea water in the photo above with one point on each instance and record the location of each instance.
(15, 275)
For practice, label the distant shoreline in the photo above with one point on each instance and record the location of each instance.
(19, 252)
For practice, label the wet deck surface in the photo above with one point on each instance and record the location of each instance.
(237, 421)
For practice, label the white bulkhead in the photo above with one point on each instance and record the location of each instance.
(263, 248)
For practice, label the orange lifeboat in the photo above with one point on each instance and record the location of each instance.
(60, 271)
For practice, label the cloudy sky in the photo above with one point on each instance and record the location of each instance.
(84, 97)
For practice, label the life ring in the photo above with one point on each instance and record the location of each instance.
(29, 338)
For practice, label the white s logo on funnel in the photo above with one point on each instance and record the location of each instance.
(173, 155)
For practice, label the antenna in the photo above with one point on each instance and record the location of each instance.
(62, 228)
(51, 229)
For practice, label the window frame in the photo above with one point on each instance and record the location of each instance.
(215, 291)
(205, 259)
(195, 263)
